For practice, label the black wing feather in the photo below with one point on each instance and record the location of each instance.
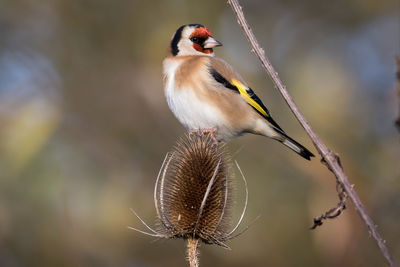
(219, 78)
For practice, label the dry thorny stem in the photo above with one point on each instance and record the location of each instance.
(330, 158)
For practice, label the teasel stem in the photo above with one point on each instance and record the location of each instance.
(193, 252)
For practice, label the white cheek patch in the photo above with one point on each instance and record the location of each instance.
(186, 48)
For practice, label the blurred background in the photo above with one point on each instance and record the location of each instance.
(84, 127)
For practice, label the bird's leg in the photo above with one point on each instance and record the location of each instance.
(211, 132)
(195, 131)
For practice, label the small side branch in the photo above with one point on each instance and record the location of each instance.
(330, 158)
(333, 212)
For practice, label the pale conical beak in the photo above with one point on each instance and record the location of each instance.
(210, 42)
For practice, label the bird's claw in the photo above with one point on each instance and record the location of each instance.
(211, 132)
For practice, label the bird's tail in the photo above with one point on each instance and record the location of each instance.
(296, 147)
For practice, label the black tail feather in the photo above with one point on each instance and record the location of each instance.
(296, 147)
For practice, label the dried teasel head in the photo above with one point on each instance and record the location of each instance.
(193, 193)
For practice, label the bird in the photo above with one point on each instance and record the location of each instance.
(206, 94)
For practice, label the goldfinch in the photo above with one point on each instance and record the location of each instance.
(205, 93)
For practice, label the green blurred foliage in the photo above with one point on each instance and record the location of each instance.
(84, 127)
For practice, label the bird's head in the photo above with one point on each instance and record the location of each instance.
(193, 39)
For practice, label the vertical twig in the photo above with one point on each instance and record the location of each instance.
(331, 159)
(192, 252)
(398, 89)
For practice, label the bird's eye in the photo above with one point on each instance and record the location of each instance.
(197, 40)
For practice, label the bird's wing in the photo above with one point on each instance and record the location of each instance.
(224, 74)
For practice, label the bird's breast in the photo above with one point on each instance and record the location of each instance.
(188, 102)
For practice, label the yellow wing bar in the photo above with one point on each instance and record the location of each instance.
(243, 92)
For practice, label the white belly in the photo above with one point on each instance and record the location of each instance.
(192, 112)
